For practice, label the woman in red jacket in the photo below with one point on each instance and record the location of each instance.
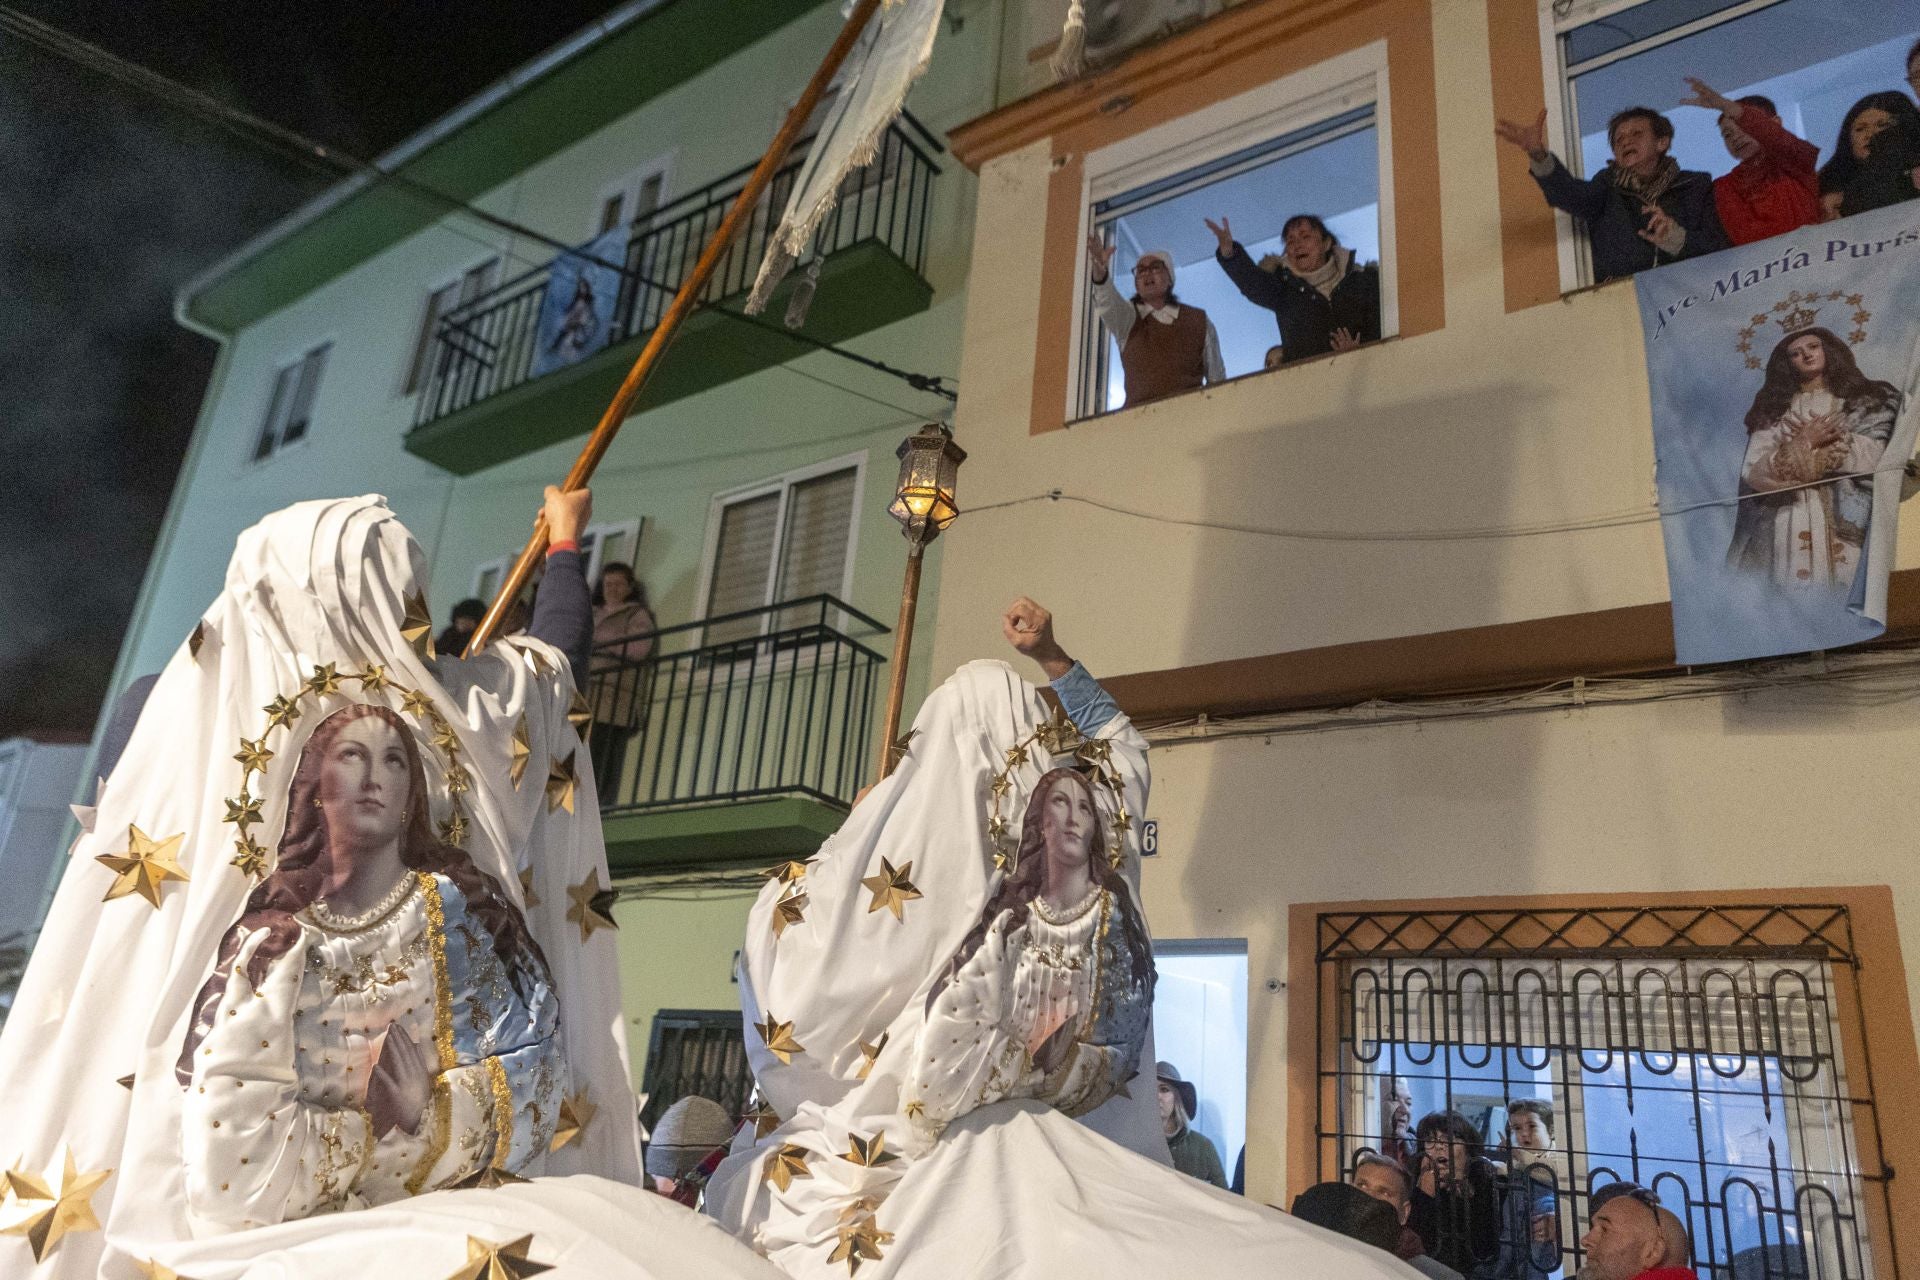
(1775, 188)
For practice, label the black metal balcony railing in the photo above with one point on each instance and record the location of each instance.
(781, 704)
(487, 346)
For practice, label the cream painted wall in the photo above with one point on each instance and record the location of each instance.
(676, 952)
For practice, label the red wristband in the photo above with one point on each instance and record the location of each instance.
(566, 545)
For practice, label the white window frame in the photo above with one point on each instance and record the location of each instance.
(290, 359)
(628, 187)
(780, 484)
(600, 533)
(1298, 101)
(426, 337)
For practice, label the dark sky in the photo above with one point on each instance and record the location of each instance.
(110, 201)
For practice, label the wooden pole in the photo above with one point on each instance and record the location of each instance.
(902, 647)
(683, 303)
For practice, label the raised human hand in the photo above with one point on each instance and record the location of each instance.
(1344, 339)
(1705, 95)
(1222, 232)
(566, 513)
(400, 1085)
(1661, 231)
(1530, 138)
(1029, 629)
(1099, 255)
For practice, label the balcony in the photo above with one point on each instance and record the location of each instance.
(740, 737)
(483, 404)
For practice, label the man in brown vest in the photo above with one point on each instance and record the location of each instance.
(1165, 347)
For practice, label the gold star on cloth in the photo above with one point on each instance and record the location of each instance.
(490, 1177)
(153, 1269)
(522, 752)
(125, 1082)
(196, 639)
(324, 680)
(1016, 756)
(1122, 823)
(527, 895)
(590, 906)
(508, 1261)
(250, 856)
(459, 780)
(373, 679)
(253, 756)
(415, 703)
(764, 1119)
(281, 711)
(871, 1054)
(243, 811)
(579, 714)
(868, 1153)
(576, 1113)
(789, 911)
(560, 784)
(144, 867)
(778, 1037)
(443, 737)
(416, 627)
(787, 872)
(860, 1241)
(454, 830)
(786, 1164)
(891, 888)
(66, 1210)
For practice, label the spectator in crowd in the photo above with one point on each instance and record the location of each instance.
(1321, 299)
(1387, 1180)
(1631, 1236)
(1275, 357)
(1529, 1195)
(1456, 1207)
(1193, 1153)
(466, 616)
(1775, 187)
(1643, 209)
(687, 1146)
(1876, 161)
(1397, 1140)
(623, 627)
(1351, 1212)
(1165, 345)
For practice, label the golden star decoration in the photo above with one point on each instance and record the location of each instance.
(522, 752)
(1016, 756)
(786, 1164)
(196, 639)
(146, 865)
(324, 680)
(788, 911)
(490, 1177)
(579, 714)
(281, 711)
(459, 781)
(576, 1113)
(764, 1120)
(373, 679)
(537, 660)
(868, 1153)
(126, 1082)
(915, 1109)
(243, 811)
(416, 627)
(443, 736)
(589, 906)
(454, 830)
(415, 703)
(253, 755)
(860, 1241)
(1001, 784)
(561, 783)
(250, 856)
(66, 1210)
(891, 888)
(153, 1269)
(527, 895)
(778, 1037)
(787, 872)
(507, 1261)
(1122, 823)
(871, 1054)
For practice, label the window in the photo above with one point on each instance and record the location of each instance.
(1813, 58)
(696, 1051)
(784, 540)
(634, 196)
(1200, 1026)
(290, 410)
(599, 544)
(471, 284)
(1315, 142)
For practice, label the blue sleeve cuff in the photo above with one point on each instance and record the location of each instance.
(1085, 702)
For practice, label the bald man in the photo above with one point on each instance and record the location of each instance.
(1632, 1237)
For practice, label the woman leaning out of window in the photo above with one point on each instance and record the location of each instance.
(1322, 300)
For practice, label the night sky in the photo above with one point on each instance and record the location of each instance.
(111, 201)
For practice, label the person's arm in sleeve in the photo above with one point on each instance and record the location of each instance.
(1790, 151)
(1211, 1170)
(563, 610)
(1029, 629)
(1700, 215)
(1115, 312)
(1216, 367)
(1258, 286)
(1583, 198)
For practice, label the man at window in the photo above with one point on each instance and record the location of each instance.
(1322, 300)
(1774, 188)
(1643, 209)
(1165, 346)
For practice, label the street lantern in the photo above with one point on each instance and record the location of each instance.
(924, 504)
(923, 500)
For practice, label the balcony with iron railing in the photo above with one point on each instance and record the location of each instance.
(485, 402)
(742, 736)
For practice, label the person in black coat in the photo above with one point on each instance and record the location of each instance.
(1456, 1205)
(1876, 161)
(1643, 209)
(1322, 300)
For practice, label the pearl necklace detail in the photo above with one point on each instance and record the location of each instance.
(324, 917)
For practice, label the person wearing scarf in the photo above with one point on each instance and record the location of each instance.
(1643, 209)
(1165, 346)
(1321, 299)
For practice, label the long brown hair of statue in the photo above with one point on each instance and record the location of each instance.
(1029, 876)
(300, 869)
(1843, 376)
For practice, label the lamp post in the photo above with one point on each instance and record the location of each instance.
(923, 503)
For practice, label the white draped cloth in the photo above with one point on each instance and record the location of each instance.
(989, 1182)
(110, 990)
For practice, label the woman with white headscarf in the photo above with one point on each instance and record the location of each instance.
(1165, 345)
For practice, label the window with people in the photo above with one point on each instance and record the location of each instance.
(1263, 256)
(1730, 150)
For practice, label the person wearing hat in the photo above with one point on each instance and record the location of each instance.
(688, 1144)
(1193, 1154)
(1165, 345)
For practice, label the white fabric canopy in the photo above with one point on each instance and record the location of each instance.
(107, 995)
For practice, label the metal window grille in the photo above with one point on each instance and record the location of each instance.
(696, 1051)
(1696, 1051)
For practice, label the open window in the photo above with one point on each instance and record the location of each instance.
(1813, 58)
(1315, 142)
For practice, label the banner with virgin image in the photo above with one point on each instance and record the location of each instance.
(1784, 376)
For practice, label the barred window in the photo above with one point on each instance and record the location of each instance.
(696, 1051)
